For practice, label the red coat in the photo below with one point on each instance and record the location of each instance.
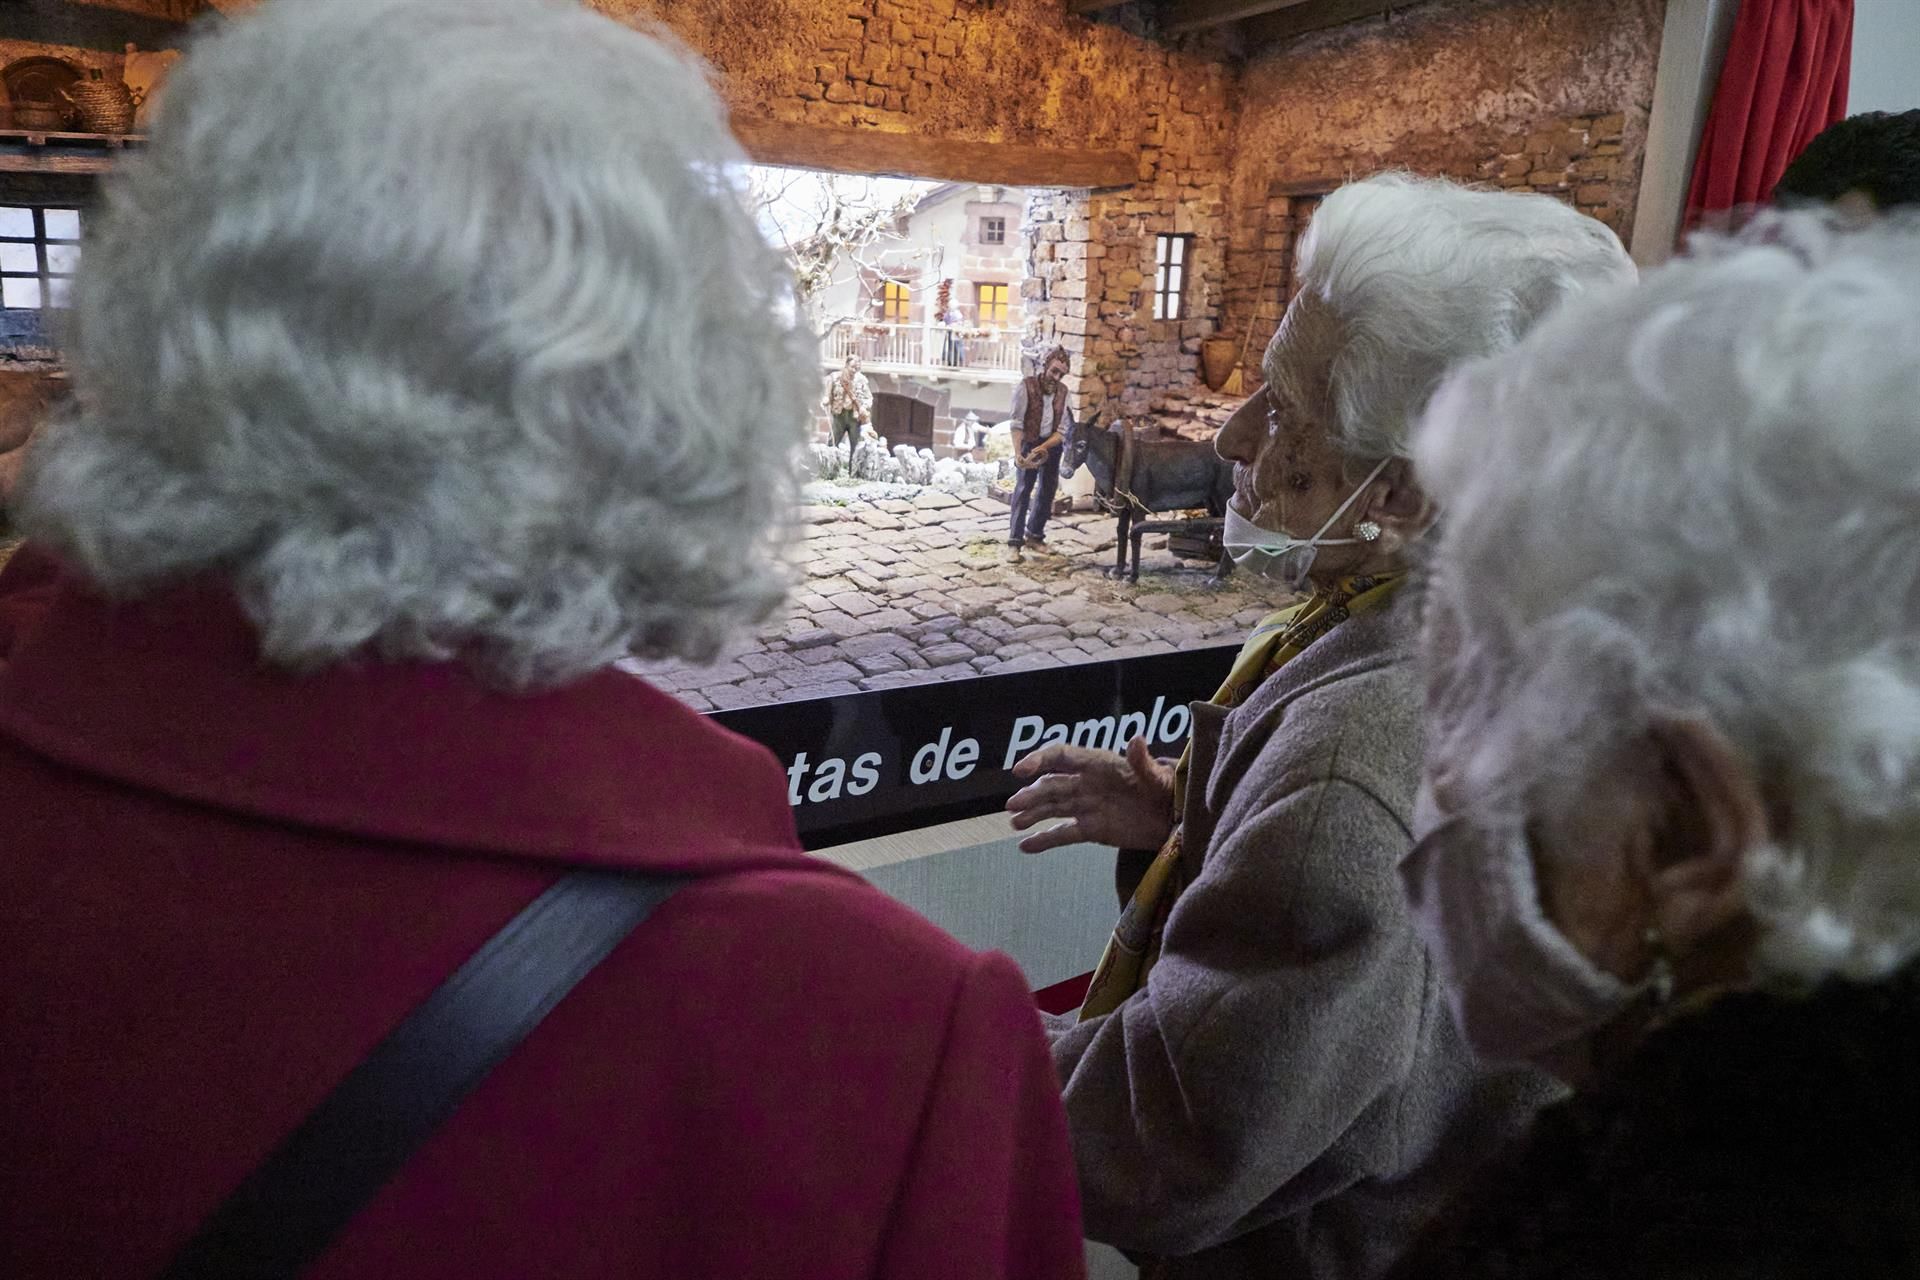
(221, 885)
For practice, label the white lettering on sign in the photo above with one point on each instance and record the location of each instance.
(934, 761)
(830, 777)
(944, 760)
(866, 774)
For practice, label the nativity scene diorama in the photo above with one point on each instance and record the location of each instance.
(949, 368)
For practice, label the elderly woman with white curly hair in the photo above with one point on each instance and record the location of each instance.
(1671, 838)
(1263, 1081)
(427, 365)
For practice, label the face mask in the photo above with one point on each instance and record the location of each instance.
(1284, 558)
(1521, 992)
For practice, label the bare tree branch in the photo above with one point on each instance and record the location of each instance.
(847, 223)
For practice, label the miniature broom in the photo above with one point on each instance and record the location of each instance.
(1235, 385)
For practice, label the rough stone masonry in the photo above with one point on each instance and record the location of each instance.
(1231, 150)
(1225, 145)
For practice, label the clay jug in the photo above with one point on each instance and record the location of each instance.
(105, 106)
(1217, 356)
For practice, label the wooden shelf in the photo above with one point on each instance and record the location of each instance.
(34, 151)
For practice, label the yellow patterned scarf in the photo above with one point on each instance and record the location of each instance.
(1135, 945)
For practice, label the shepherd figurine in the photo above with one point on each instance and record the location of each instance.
(850, 405)
(1039, 424)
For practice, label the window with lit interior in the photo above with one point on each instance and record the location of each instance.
(39, 252)
(991, 300)
(896, 302)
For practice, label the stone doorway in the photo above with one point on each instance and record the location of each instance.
(903, 420)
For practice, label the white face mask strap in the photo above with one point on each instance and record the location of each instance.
(1351, 499)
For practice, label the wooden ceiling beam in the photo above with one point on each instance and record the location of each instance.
(842, 149)
(1196, 15)
(1314, 15)
(1092, 6)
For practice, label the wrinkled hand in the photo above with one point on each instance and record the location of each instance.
(1108, 799)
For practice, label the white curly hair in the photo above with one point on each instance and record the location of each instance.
(441, 328)
(1405, 277)
(1702, 497)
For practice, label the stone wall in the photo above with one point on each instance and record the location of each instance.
(1548, 94)
(1019, 71)
(1092, 284)
(984, 70)
(1545, 95)
(1233, 155)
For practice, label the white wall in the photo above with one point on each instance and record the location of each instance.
(993, 401)
(940, 232)
(1886, 56)
(842, 295)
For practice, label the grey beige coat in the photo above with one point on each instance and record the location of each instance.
(1287, 1097)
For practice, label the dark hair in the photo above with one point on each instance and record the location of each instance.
(1877, 154)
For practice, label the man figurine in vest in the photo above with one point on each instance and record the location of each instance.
(850, 404)
(1039, 429)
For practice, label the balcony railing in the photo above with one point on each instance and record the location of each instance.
(925, 348)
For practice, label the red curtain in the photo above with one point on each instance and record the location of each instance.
(1784, 80)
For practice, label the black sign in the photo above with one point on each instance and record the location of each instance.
(872, 764)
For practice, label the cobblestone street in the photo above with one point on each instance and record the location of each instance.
(901, 591)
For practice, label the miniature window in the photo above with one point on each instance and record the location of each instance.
(993, 231)
(39, 252)
(896, 302)
(1169, 275)
(992, 304)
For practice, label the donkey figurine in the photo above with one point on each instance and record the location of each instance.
(1138, 477)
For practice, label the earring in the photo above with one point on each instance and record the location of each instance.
(1367, 531)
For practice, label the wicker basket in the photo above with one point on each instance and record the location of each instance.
(105, 106)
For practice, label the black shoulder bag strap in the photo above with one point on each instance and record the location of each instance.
(290, 1208)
